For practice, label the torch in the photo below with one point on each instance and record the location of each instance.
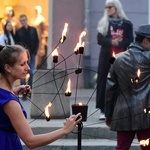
(47, 111)
(63, 37)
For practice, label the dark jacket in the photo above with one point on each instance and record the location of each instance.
(28, 38)
(126, 101)
(105, 54)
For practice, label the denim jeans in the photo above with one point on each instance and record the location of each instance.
(31, 71)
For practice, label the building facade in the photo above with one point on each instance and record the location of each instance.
(84, 15)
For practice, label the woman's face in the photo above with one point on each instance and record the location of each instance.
(9, 27)
(111, 10)
(20, 69)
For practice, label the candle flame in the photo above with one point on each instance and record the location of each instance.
(81, 36)
(76, 48)
(144, 142)
(80, 104)
(65, 29)
(113, 54)
(64, 32)
(55, 52)
(83, 43)
(138, 73)
(47, 114)
(68, 87)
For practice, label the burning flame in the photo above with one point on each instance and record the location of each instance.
(80, 104)
(46, 110)
(68, 87)
(144, 142)
(80, 38)
(64, 33)
(76, 49)
(113, 54)
(147, 110)
(138, 73)
(55, 52)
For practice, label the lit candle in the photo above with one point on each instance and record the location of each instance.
(46, 111)
(144, 142)
(112, 58)
(81, 48)
(80, 108)
(68, 91)
(81, 36)
(137, 78)
(63, 38)
(147, 110)
(55, 56)
(80, 104)
(81, 44)
(76, 50)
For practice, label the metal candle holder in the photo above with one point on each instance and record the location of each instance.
(76, 108)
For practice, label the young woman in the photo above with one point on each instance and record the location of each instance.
(13, 123)
(7, 38)
(115, 33)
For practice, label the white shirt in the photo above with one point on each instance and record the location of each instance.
(4, 39)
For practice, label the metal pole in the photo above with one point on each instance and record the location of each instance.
(79, 135)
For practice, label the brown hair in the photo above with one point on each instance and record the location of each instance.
(9, 55)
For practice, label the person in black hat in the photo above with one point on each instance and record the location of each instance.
(128, 92)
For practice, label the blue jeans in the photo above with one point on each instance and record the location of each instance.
(31, 71)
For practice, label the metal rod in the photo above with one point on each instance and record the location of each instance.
(79, 135)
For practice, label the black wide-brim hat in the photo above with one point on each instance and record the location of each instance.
(143, 30)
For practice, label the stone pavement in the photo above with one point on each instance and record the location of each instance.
(95, 134)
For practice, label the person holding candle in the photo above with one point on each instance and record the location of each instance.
(14, 61)
(126, 100)
(115, 33)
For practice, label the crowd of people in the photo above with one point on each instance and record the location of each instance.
(119, 97)
(121, 100)
(18, 49)
(18, 31)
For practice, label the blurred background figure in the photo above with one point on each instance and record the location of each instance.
(9, 15)
(38, 21)
(28, 37)
(7, 38)
(115, 33)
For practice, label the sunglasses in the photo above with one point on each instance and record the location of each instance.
(109, 7)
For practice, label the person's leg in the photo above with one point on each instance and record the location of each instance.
(124, 139)
(144, 135)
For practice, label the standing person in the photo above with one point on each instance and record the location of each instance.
(27, 36)
(7, 38)
(115, 33)
(10, 16)
(126, 100)
(13, 122)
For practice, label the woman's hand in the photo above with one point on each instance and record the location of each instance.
(22, 90)
(71, 122)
